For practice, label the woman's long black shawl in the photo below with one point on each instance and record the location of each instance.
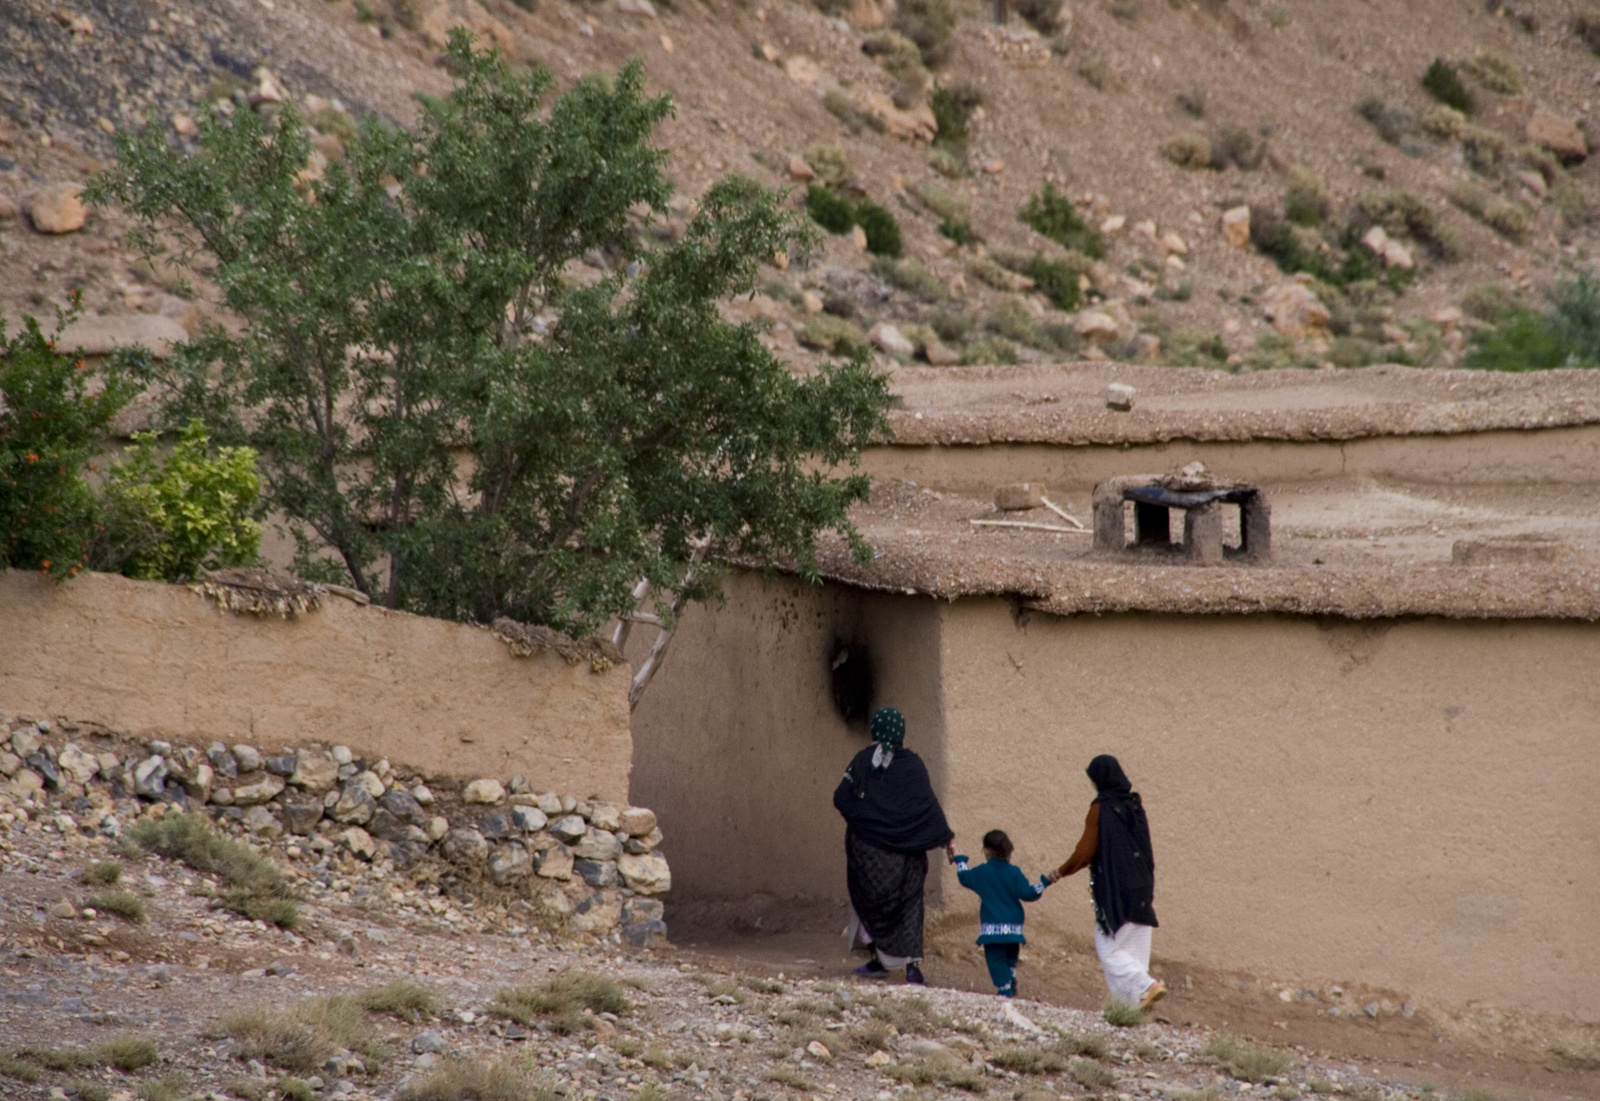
(892, 818)
(892, 808)
(1123, 874)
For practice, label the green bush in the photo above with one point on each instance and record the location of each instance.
(833, 335)
(1053, 215)
(1057, 280)
(1442, 83)
(50, 422)
(831, 211)
(1567, 334)
(911, 277)
(1237, 146)
(988, 350)
(1307, 201)
(1188, 149)
(165, 520)
(1484, 149)
(255, 887)
(953, 106)
(883, 232)
(957, 230)
(928, 23)
(899, 57)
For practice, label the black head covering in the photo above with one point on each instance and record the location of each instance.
(1123, 875)
(886, 796)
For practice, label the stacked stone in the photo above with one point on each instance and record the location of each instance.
(584, 863)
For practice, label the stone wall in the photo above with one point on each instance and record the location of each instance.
(162, 661)
(576, 864)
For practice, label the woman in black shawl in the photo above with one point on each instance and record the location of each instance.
(1115, 847)
(892, 818)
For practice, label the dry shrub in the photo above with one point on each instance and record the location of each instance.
(1494, 72)
(1246, 1062)
(929, 24)
(1122, 1014)
(175, 1087)
(911, 277)
(939, 201)
(833, 335)
(13, 1066)
(102, 873)
(1188, 149)
(901, 59)
(1586, 27)
(256, 889)
(125, 904)
(1488, 301)
(1193, 102)
(785, 1075)
(1237, 146)
(873, 1035)
(1095, 68)
(1043, 16)
(829, 162)
(1569, 200)
(410, 13)
(402, 998)
(68, 1057)
(908, 1014)
(1509, 219)
(1405, 213)
(474, 1080)
(302, 1037)
(128, 1053)
(940, 1070)
(1307, 200)
(1028, 1060)
(1444, 122)
(562, 1001)
(1485, 149)
(1091, 1075)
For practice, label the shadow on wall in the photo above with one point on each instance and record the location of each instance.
(850, 669)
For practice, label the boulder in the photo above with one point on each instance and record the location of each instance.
(260, 820)
(223, 761)
(891, 340)
(47, 770)
(197, 781)
(597, 914)
(1294, 310)
(386, 826)
(551, 804)
(636, 821)
(1236, 227)
(25, 741)
(301, 815)
(647, 874)
(281, 764)
(510, 863)
(599, 874)
(77, 764)
(465, 846)
(803, 71)
(371, 781)
(647, 843)
(800, 170)
(940, 355)
(496, 827)
(529, 819)
(26, 782)
(359, 842)
(570, 828)
(1175, 244)
(555, 863)
(484, 791)
(437, 827)
(916, 124)
(1014, 497)
(354, 805)
(1119, 396)
(9, 763)
(422, 795)
(604, 816)
(653, 934)
(403, 806)
(150, 777)
(248, 758)
(314, 770)
(1556, 134)
(1095, 326)
(264, 789)
(58, 209)
(598, 845)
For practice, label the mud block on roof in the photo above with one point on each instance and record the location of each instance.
(1119, 396)
(1017, 496)
(1514, 550)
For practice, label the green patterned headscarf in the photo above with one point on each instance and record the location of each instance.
(889, 731)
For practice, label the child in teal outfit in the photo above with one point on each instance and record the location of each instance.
(1002, 889)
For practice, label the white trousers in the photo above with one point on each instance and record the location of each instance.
(1125, 958)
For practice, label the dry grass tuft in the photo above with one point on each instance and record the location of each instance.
(128, 1053)
(908, 1014)
(12, 1066)
(873, 1035)
(941, 1070)
(561, 1001)
(1122, 1014)
(125, 904)
(303, 1037)
(1028, 1060)
(102, 873)
(475, 1080)
(402, 998)
(170, 1087)
(788, 1076)
(1091, 1075)
(68, 1057)
(256, 889)
(1246, 1062)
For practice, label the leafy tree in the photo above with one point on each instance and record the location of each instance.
(446, 417)
(51, 418)
(167, 519)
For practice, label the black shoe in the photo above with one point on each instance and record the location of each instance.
(914, 975)
(872, 969)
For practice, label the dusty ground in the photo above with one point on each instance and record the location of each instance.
(723, 1017)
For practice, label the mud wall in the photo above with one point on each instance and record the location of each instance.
(153, 659)
(1561, 455)
(1406, 803)
(738, 744)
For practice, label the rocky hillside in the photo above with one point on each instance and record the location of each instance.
(1205, 151)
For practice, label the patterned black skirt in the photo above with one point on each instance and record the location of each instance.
(886, 891)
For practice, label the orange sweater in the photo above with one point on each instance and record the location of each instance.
(1083, 855)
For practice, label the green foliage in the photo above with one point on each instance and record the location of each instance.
(1484, 149)
(331, 120)
(911, 277)
(256, 889)
(1494, 72)
(1052, 214)
(447, 421)
(168, 519)
(1567, 334)
(50, 421)
(829, 162)
(953, 105)
(1307, 201)
(102, 873)
(883, 232)
(128, 1053)
(830, 210)
(899, 57)
(1188, 149)
(1442, 83)
(1057, 280)
(928, 23)
(957, 230)
(402, 998)
(988, 350)
(832, 335)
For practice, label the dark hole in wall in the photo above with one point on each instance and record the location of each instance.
(850, 672)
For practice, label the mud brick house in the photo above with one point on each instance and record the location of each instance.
(1368, 755)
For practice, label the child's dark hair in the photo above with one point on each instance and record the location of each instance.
(997, 842)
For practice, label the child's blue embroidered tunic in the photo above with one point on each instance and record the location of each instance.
(1001, 889)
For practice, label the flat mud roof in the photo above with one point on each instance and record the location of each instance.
(1065, 404)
